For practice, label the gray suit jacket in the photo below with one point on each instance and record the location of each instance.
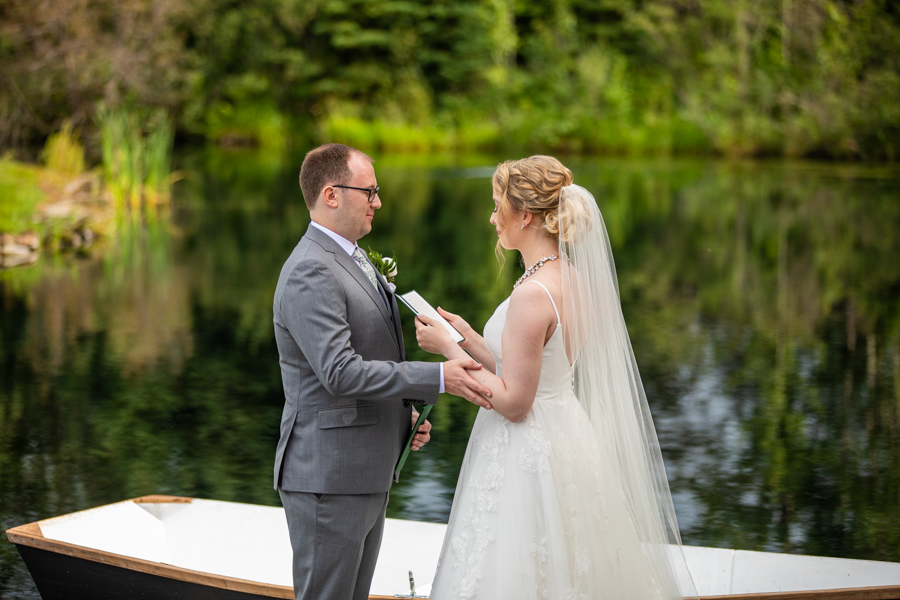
(345, 378)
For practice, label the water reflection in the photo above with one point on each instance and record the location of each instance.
(762, 300)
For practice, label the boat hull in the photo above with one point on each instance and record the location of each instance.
(61, 577)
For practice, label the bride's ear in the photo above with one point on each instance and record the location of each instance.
(527, 220)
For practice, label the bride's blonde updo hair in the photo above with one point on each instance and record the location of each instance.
(535, 185)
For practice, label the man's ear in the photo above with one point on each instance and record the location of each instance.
(329, 196)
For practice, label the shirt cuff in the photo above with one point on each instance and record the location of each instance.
(441, 389)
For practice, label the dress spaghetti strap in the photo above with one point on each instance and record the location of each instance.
(558, 322)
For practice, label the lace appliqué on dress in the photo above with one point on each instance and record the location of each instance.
(475, 536)
(539, 557)
(534, 457)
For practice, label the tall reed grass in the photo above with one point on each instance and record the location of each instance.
(137, 156)
(158, 145)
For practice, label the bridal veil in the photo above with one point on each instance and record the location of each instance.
(608, 385)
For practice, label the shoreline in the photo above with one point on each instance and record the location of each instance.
(50, 211)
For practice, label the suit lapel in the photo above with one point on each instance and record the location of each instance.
(383, 286)
(349, 265)
(394, 311)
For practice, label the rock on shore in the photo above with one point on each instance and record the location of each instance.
(19, 249)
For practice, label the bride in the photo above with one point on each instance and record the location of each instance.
(562, 493)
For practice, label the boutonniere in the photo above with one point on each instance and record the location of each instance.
(386, 265)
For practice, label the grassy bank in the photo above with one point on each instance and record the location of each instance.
(60, 204)
(20, 194)
(524, 132)
(44, 208)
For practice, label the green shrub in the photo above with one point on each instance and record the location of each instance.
(255, 124)
(63, 152)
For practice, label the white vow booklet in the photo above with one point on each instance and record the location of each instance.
(416, 303)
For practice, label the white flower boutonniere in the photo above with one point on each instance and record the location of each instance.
(386, 265)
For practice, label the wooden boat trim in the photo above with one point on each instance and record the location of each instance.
(160, 499)
(888, 592)
(30, 534)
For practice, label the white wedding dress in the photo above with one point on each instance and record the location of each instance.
(534, 515)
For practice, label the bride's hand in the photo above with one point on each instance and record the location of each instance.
(433, 337)
(459, 324)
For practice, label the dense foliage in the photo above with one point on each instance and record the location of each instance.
(775, 77)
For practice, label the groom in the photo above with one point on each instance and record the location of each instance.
(346, 384)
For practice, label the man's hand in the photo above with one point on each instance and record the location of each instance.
(459, 383)
(424, 435)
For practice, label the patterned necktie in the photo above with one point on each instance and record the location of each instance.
(360, 257)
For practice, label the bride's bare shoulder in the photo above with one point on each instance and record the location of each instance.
(550, 280)
(531, 299)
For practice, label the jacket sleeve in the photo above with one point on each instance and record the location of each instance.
(314, 311)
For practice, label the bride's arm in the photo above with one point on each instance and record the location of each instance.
(528, 320)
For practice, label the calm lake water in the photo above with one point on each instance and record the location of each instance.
(763, 302)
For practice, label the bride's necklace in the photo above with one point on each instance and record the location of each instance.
(533, 269)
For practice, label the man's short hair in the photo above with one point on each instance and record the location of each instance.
(327, 164)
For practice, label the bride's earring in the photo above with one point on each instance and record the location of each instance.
(523, 226)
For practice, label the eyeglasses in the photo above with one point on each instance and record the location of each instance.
(371, 192)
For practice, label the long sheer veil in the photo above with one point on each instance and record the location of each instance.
(608, 386)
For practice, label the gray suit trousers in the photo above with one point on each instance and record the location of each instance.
(335, 539)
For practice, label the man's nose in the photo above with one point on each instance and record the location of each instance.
(376, 201)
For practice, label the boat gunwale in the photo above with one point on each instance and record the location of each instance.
(880, 592)
(30, 534)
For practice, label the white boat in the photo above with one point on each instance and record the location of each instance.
(171, 547)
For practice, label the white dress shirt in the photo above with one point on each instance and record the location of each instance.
(349, 247)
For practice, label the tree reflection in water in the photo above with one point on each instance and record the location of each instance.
(763, 302)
